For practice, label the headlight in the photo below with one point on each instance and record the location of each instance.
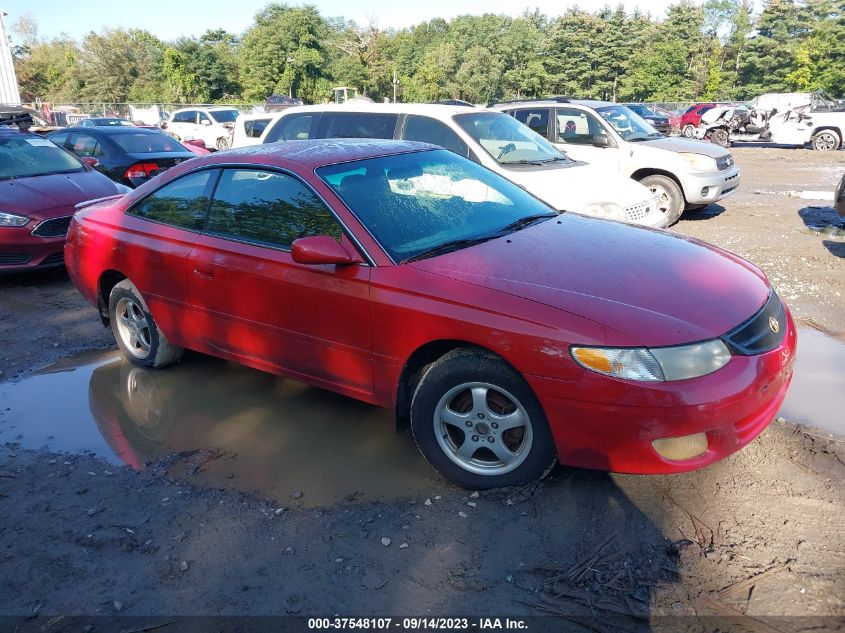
(699, 162)
(10, 219)
(654, 364)
(609, 210)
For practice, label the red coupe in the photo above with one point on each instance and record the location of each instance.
(505, 334)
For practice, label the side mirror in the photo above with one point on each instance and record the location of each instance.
(321, 249)
(601, 140)
(205, 122)
(90, 161)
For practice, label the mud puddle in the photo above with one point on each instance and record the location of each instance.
(217, 424)
(816, 396)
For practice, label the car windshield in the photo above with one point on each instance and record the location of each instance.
(146, 143)
(101, 122)
(630, 125)
(27, 156)
(642, 110)
(224, 116)
(507, 140)
(428, 203)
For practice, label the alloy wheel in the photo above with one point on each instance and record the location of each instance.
(133, 328)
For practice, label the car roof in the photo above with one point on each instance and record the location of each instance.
(315, 153)
(207, 108)
(434, 110)
(113, 129)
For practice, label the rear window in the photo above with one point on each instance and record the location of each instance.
(356, 125)
(293, 127)
(224, 116)
(146, 143)
(27, 156)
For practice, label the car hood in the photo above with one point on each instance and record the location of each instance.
(680, 144)
(654, 287)
(30, 195)
(576, 187)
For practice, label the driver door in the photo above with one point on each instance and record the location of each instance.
(574, 132)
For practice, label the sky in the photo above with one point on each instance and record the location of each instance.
(169, 19)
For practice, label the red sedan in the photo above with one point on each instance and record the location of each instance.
(39, 186)
(505, 334)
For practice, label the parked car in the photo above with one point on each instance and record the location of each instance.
(692, 117)
(840, 197)
(212, 125)
(505, 334)
(491, 139)
(102, 121)
(249, 127)
(682, 174)
(128, 155)
(39, 186)
(659, 122)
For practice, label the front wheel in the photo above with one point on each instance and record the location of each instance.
(689, 131)
(222, 144)
(826, 141)
(135, 330)
(720, 137)
(670, 198)
(478, 423)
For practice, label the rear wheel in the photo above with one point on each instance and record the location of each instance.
(670, 198)
(222, 144)
(478, 423)
(720, 137)
(689, 131)
(826, 141)
(135, 330)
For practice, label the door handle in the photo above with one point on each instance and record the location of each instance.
(203, 274)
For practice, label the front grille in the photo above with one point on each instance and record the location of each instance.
(756, 335)
(638, 211)
(11, 259)
(53, 260)
(724, 162)
(55, 227)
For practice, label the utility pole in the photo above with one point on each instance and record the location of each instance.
(395, 84)
(9, 92)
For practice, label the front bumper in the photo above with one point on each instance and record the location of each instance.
(710, 187)
(610, 424)
(21, 250)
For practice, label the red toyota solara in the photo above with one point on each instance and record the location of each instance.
(505, 334)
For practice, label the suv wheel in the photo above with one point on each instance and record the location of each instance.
(222, 144)
(689, 131)
(478, 423)
(826, 141)
(670, 198)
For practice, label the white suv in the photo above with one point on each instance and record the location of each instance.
(682, 173)
(212, 125)
(492, 139)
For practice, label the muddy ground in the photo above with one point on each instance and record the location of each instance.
(261, 529)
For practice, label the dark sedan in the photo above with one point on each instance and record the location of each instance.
(103, 122)
(39, 188)
(659, 122)
(128, 155)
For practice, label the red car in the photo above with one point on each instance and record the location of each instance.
(39, 186)
(505, 334)
(692, 117)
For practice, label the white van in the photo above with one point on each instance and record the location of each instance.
(682, 173)
(494, 140)
(249, 128)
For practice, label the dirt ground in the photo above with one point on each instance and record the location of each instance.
(761, 534)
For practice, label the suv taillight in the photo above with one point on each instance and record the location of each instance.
(141, 170)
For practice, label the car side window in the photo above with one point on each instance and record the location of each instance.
(204, 117)
(577, 127)
(182, 203)
(356, 125)
(293, 127)
(537, 119)
(428, 130)
(185, 117)
(269, 208)
(254, 128)
(85, 145)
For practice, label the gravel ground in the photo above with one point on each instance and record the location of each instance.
(759, 534)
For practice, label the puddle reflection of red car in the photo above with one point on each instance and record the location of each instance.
(505, 334)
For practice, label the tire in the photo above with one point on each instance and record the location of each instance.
(476, 390)
(689, 131)
(222, 144)
(826, 141)
(136, 332)
(670, 198)
(720, 137)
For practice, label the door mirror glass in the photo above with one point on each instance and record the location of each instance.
(321, 249)
(90, 161)
(601, 140)
(205, 122)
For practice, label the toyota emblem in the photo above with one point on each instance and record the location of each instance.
(774, 326)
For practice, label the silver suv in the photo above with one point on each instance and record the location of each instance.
(682, 173)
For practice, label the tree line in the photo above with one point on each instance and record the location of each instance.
(719, 50)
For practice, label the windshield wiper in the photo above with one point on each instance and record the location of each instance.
(528, 220)
(448, 247)
(522, 162)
